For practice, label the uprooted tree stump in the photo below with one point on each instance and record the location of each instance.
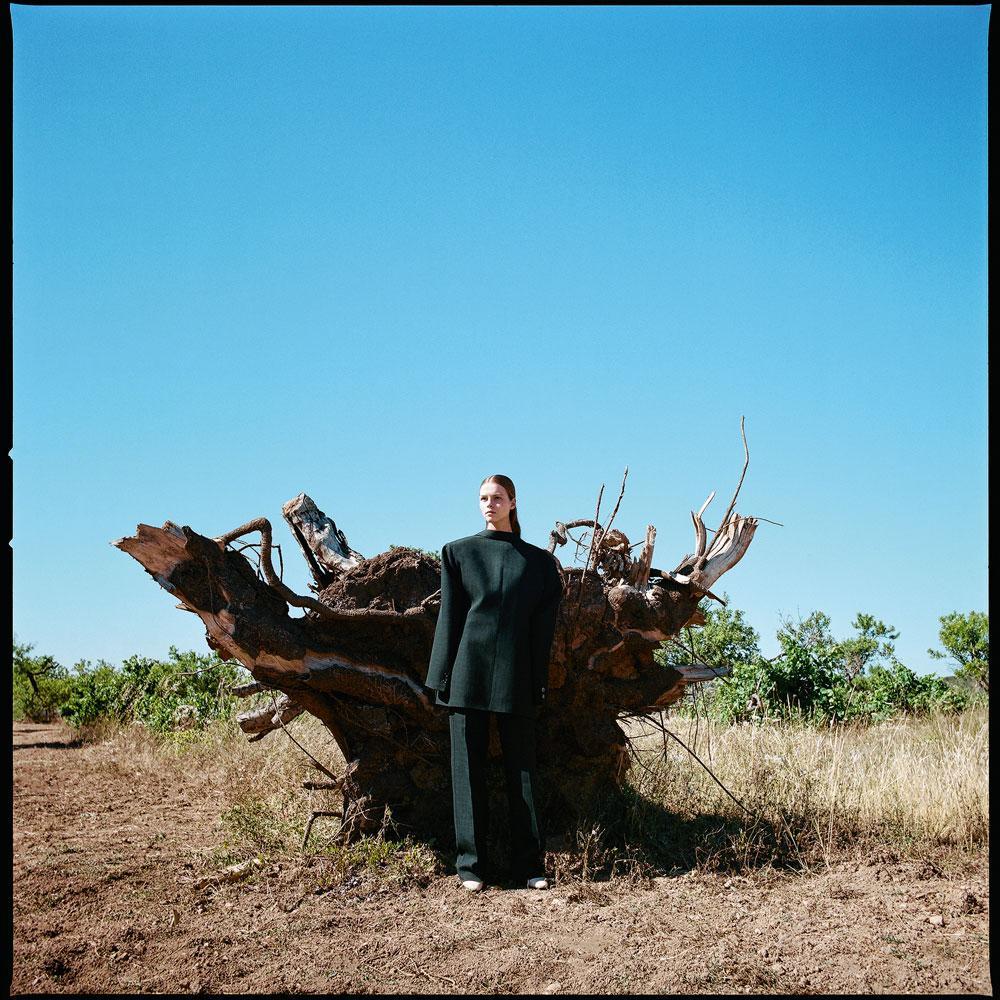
(357, 656)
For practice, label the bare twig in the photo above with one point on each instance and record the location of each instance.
(313, 816)
(708, 770)
(621, 493)
(590, 553)
(433, 979)
(255, 546)
(739, 486)
(596, 534)
(694, 656)
(597, 537)
(200, 670)
(326, 771)
(757, 517)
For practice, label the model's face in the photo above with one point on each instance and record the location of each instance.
(494, 503)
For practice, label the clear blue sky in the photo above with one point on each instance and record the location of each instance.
(375, 254)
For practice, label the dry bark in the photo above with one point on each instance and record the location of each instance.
(357, 655)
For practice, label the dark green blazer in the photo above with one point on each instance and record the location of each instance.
(500, 598)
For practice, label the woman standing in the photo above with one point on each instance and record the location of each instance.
(500, 597)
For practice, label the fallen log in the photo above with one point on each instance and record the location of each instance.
(357, 655)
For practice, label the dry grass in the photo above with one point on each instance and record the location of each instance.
(257, 785)
(263, 809)
(809, 795)
(913, 784)
(268, 767)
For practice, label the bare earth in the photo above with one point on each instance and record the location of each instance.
(103, 903)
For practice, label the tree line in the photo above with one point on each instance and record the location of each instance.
(821, 678)
(185, 689)
(816, 676)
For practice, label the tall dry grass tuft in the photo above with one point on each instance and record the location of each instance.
(913, 784)
(257, 791)
(806, 794)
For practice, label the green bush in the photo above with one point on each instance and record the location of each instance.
(94, 695)
(815, 676)
(890, 690)
(40, 685)
(187, 689)
(966, 639)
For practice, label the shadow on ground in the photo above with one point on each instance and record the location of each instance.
(627, 834)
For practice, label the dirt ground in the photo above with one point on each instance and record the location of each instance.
(104, 902)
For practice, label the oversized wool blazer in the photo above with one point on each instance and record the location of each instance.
(500, 599)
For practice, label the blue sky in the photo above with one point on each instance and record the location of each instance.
(376, 254)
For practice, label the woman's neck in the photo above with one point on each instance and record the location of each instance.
(496, 533)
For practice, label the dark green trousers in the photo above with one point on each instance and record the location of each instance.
(469, 769)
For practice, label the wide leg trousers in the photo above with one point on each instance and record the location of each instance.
(469, 769)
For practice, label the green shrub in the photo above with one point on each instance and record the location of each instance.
(95, 694)
(815, 676)
(40, 685)
(966, 639)
(894, 689)
(185, 690)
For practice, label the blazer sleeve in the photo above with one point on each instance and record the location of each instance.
(450, 623)
(543, 628)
